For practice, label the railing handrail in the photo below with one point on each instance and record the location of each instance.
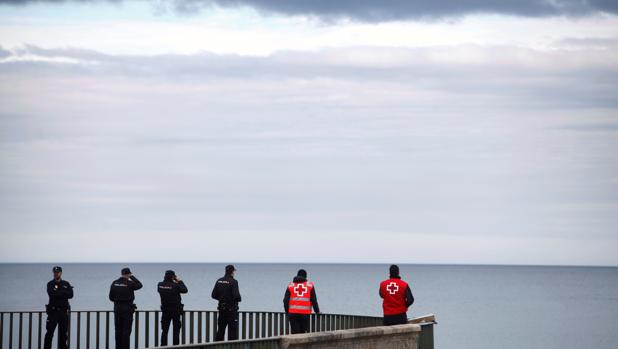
(186, 310)
(94, 329)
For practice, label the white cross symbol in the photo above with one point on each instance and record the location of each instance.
(300, 290)
(392, 288)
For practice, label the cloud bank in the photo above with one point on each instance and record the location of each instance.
(388, 10)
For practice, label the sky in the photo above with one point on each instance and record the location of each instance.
(466, 132)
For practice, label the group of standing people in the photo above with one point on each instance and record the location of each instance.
(299, 300)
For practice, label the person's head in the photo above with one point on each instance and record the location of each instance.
(393, 271)
(169, 275)
(229, 270)
(125, 272)
(57, 270)
(302, 273)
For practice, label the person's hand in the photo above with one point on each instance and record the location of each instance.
(178, 279)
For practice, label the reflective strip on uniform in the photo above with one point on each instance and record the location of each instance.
(300, 307)
(302, 299)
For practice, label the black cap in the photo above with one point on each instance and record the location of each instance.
(229, 269)
(57, 269)
(394, 270)
(169, 273)
(302, 273)
(125, 271)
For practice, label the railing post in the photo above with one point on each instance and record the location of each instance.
(136, 330)
(107, 315)
(1, 330)
(21, 318)
(29, 331)
(156, 332)
(244, 325)
(87, 330)
(425, 340)
(191, 337)
(11, 330)
(263, 316)
(184, 328)
(78, 331)
(214, 324)
(199, 327)
(147, 328)
(40, 329)
(98, 330)
(207, 326)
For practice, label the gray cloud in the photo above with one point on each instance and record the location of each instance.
(364, 141)
(388, 10)
(574, 78)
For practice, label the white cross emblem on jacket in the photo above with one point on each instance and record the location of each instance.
(392, 288)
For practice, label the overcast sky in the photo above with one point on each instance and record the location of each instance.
(326, 131)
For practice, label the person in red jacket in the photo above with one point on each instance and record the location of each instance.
(396, 298)
(298, 300)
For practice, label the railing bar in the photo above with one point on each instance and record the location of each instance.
(199, 327)
(1, 330)
(98, 330)
(244, 325)
(191, 338)
(21, 318)
(270, 324)
(40, 329)
(281, 324)
(156, 328)
(78, 333)
(29, 331)
(107, 316)
(136, 330)
(87, 330)
(250, 325)
(147, 327)
(263, 315)
(214, 324)
(184, 328)
(207, 326)
(11, 330)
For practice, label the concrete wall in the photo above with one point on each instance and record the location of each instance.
(383, 337)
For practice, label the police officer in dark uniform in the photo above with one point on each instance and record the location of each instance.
(58, 309)
(227, 293)
(171, 305)
(121, 292)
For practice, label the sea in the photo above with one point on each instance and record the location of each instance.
(476, 306)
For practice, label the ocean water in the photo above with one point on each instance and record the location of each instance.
(478, 307)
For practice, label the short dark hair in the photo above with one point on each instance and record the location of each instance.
(302, 273)
(393, 270)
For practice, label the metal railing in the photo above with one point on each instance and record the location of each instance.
(95, 329)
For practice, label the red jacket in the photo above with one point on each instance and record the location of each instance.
(300, 297)
(396, 295)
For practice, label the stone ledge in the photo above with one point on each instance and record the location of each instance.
(375, 335)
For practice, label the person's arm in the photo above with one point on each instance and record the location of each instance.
(380, 292)
(111, 293)
(236, 292)
(68, 292)
(136, 284)
(182, 288)
(50, 289)
(314, 301)
(409, 297)
(215, 292)
(286, 300)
